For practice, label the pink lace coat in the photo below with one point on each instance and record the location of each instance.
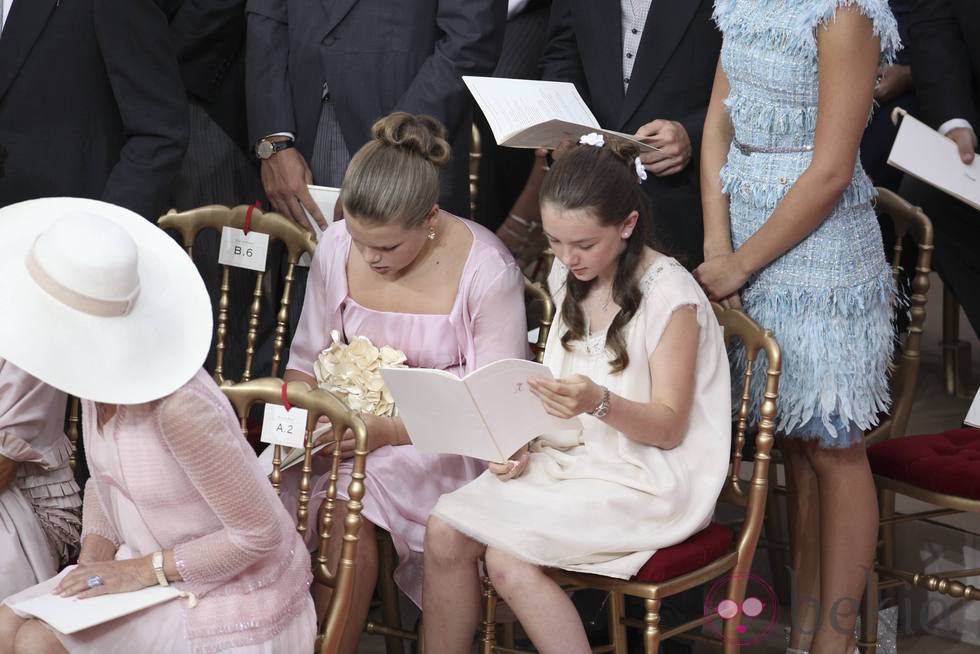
(199, 490)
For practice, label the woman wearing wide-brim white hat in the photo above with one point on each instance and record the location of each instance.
(99, 303)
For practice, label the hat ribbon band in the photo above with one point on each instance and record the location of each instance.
(78, 301)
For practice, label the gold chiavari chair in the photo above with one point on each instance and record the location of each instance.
(938, 469)
(338, 576)
(707, 555)
(956, 353)
(297, 241)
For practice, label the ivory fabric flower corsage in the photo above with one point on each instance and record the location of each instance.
(641, 172)
(352, 372)
(592, 138)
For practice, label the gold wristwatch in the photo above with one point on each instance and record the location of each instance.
(158, 568)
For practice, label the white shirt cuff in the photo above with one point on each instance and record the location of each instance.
(954, 123)
(293, 136)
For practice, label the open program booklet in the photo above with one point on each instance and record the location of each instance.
(534, 114)
(489, 414)
(70, 614)
(926, 154)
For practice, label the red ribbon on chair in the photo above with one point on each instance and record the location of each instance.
(248, 216)
(285, 400)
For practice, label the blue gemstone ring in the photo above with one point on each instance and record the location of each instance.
(95, 581)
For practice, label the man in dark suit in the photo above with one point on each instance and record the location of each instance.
(209, 41)
(322, 71)
(945, 58)
(91, 103)
(646, 67)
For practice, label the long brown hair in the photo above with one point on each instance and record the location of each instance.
(603, 181)
(395, 175)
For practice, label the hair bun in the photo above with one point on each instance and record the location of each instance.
(423, 135)
(624, 150)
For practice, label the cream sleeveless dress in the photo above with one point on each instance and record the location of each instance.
(592, 500)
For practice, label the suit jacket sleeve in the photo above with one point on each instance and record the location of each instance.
(562, 61)
(142, 72)
(207, 36)
(473, 33)
(940, 63)
(267, 95)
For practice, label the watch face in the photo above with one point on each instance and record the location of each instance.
(264, 149)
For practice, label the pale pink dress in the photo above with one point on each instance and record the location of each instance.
(40, 512)
(178, 474)
(486, 324)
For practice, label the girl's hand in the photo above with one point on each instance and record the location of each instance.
(513, 467)
(379, 433)
(117, 577)
(568, 397)
(722, 276)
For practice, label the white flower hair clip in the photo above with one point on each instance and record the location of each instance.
(641, 172)
(592, 138)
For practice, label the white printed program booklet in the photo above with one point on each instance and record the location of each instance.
(70, 614)
(926, 154)
(535, 114)
(325, 198)
(489, 414)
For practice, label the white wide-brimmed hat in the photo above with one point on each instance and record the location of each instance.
(98, 302)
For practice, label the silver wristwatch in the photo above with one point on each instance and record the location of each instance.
(602, 408)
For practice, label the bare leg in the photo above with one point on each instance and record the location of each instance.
(450, 589)
(34, 638)
(10, 622)
(545, 611)
(365, 578)
(848, 537)
(803, 511)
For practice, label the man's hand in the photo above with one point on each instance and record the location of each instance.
(966, 142)
(8, 472)
(674, 143)
(284, 178)
(895, 80)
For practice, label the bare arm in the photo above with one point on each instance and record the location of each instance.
(717, 139)
(662, 421)
(848, 53)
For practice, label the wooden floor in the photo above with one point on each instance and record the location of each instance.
(934, 411)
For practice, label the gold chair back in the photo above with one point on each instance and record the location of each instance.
(73, 428)
(911, 225)
(297, 242)
(476, 153)
(540, 310)
(336, 575)
(754, 340)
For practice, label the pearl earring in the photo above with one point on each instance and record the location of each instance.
(432, 234)
(626, 234)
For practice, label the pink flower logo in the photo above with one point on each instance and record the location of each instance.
(757, 613)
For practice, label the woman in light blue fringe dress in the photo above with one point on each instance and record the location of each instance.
(791, 236)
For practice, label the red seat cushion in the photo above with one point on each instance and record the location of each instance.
(697, 551)
(947, 463)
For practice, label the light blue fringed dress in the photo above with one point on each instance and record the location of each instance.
(829, 301)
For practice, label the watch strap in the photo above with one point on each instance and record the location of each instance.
(158, 568)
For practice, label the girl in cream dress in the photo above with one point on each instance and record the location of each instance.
(640, 359)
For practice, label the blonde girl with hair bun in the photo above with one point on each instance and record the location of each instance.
(404, 273)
